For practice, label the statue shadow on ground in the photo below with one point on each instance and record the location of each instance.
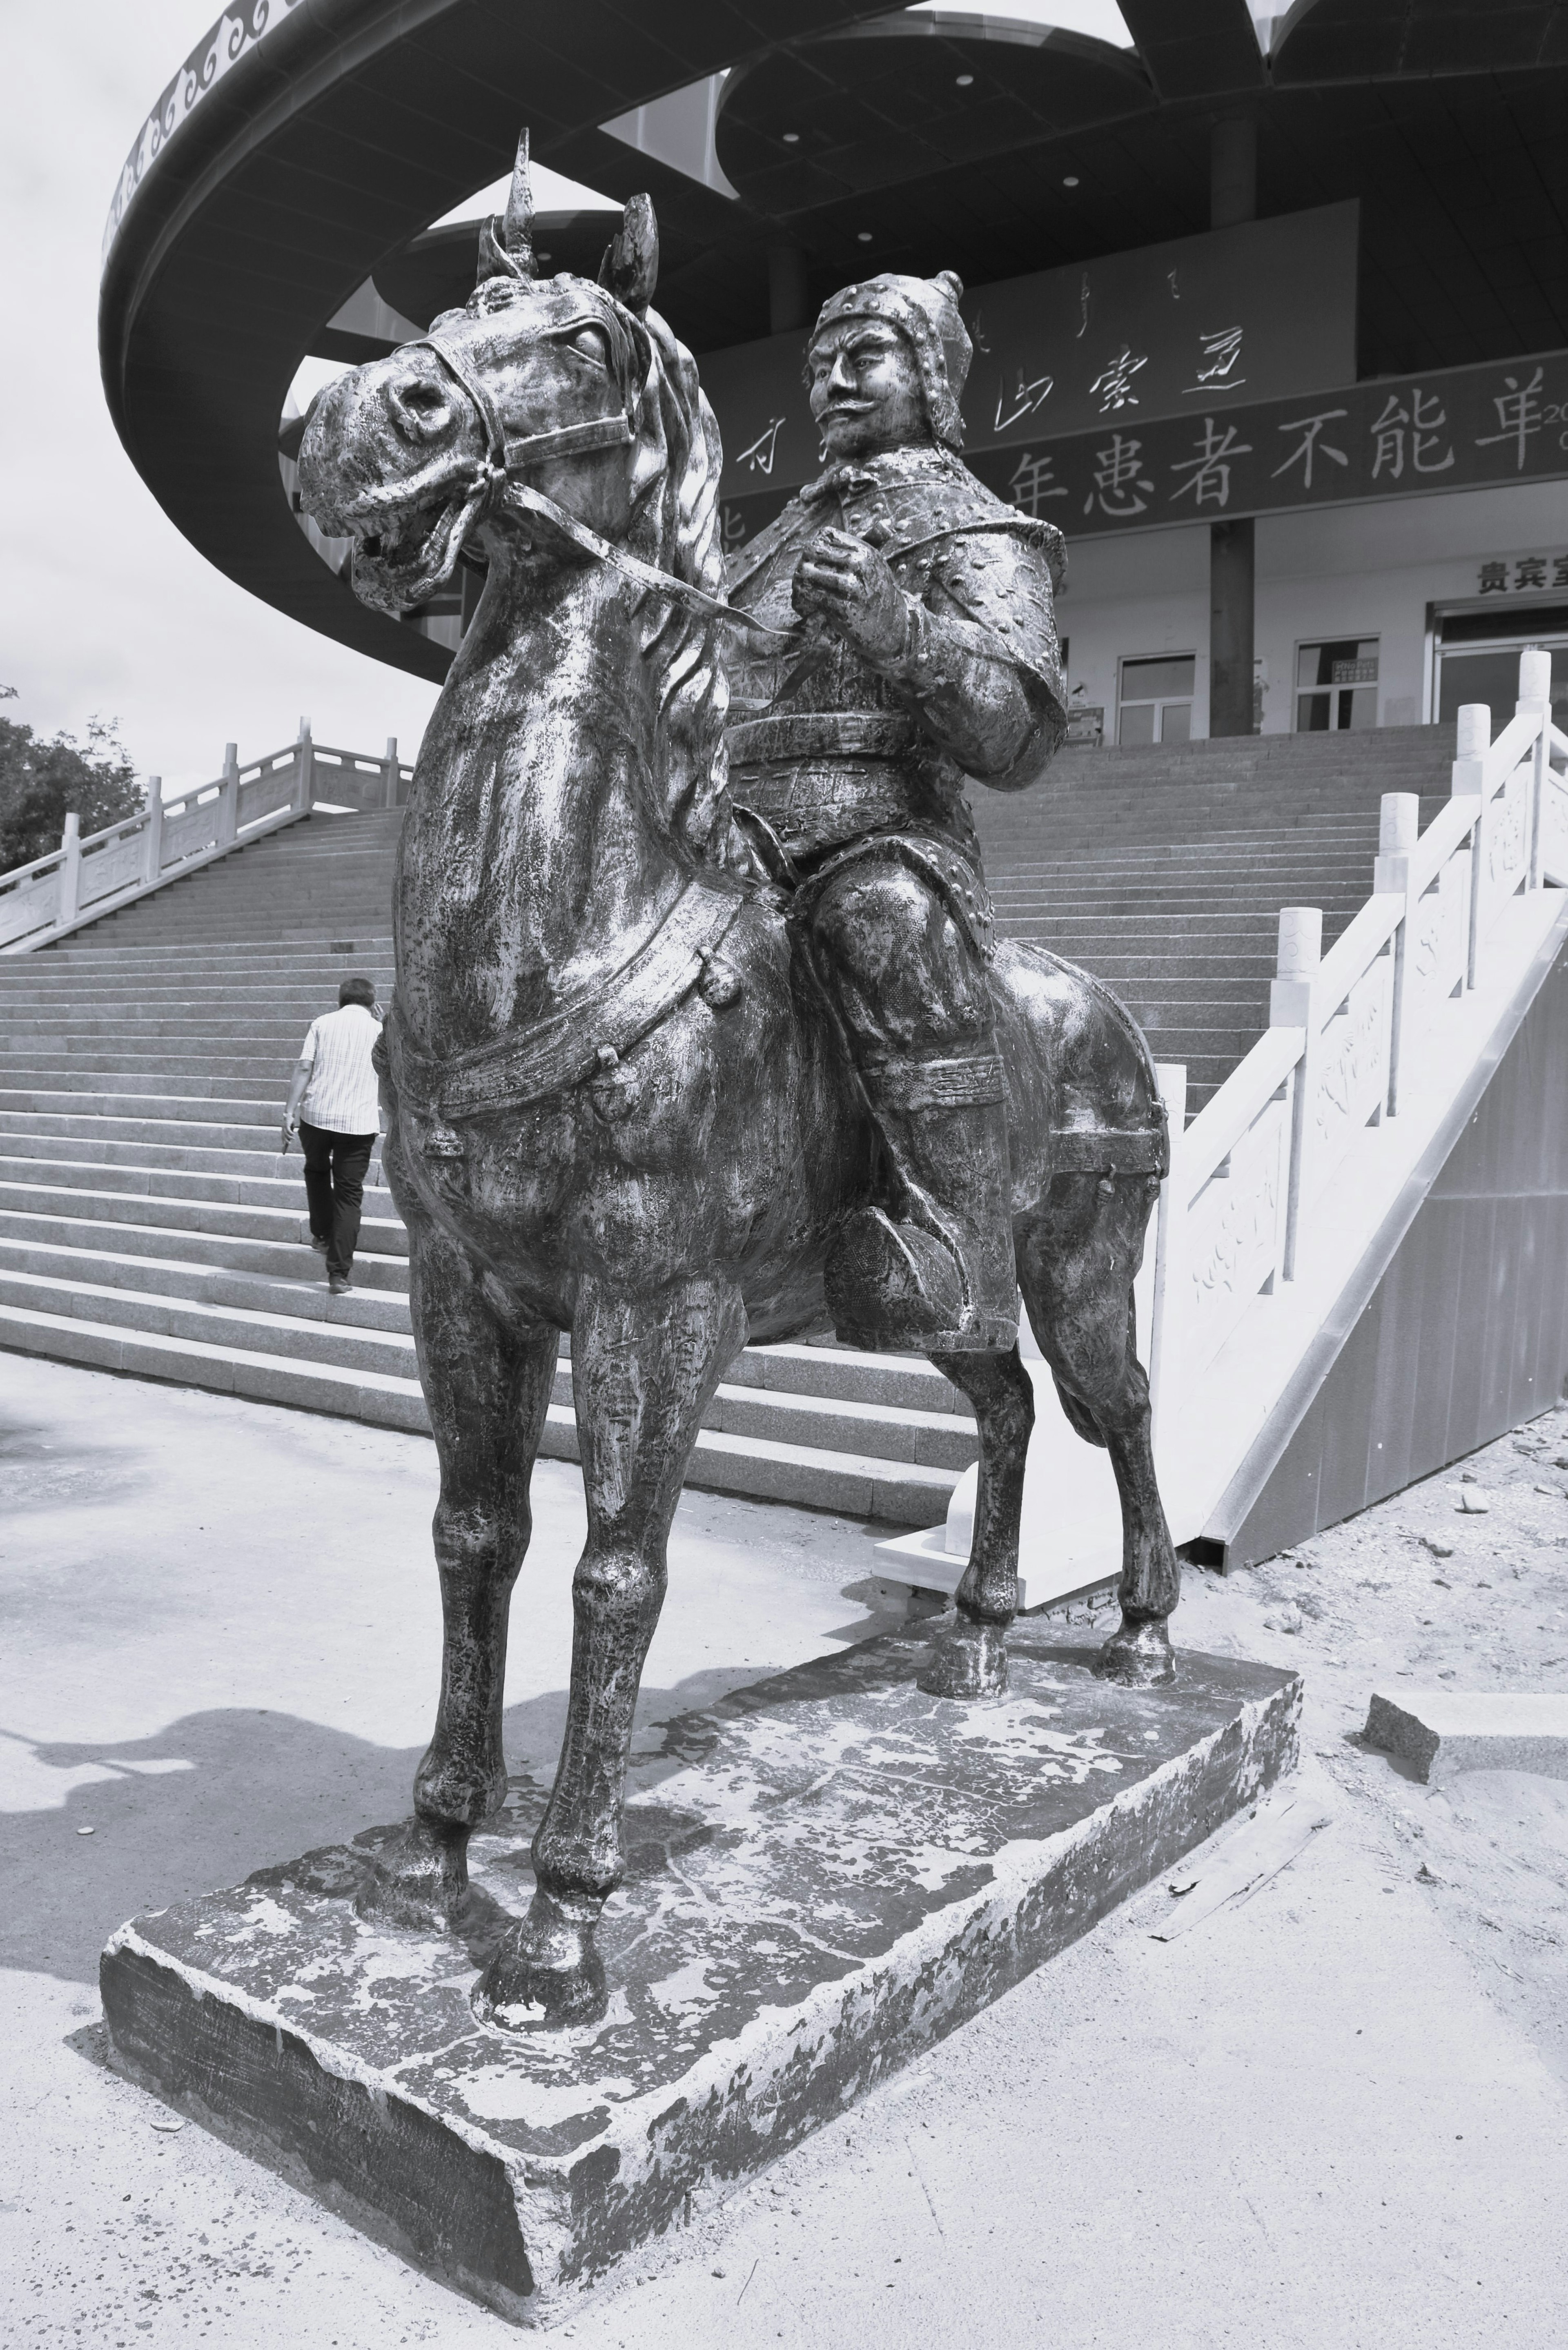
(215, 1796)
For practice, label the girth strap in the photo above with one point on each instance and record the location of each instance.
(588, 1033)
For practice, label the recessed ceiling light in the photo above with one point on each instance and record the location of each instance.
(863, 236)
(791, 138)
(1069, 181)
(965, 80)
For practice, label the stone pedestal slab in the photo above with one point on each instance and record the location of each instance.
(829, 1872)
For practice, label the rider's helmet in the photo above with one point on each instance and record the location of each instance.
(926, 312)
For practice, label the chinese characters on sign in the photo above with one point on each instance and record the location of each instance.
(1032, 481)
(1521, 414)
(1117, 479)
(1209, 470)
(1529, 571)
(1420, 416)
(759, 457)
(1113, 386)
(1217, 367)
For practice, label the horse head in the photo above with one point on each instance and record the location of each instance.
(570, 386)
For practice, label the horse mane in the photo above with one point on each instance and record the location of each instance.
(676, 525)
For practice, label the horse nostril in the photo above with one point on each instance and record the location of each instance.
(421, 407)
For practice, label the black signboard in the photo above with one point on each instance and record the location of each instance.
(1222, 320)
(1453, 429)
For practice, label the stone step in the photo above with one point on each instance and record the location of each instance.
(903, 1492)
(238, 1179)
(158, 1211)
(284, 1255)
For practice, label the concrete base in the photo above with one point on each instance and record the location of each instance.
(1444, 1731)
(829, 1872)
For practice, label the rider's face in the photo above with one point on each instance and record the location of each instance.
(865, 390)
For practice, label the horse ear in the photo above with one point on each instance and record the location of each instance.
(630, 267)
(505, 245)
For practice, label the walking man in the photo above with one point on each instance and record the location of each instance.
(334, 1107)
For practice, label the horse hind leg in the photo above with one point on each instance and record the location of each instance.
(969, 1656)
(1077, 1269)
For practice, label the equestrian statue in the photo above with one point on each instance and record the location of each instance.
(698, 1041)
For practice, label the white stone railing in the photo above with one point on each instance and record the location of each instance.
(83, 880)
(1251, 1184)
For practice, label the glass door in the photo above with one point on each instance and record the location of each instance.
(1475, 658)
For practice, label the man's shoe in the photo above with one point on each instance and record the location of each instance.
(320, 1247)
(339, 1284)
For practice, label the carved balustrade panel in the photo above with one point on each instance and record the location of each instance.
(1436, 951)
(1555, 832)
(1505, 856)
(1232, 1238)
(117, 867)
(194, 828)
(264, 794)
(30, 906)
(1350, 1074)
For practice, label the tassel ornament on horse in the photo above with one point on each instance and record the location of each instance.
(702, 1034)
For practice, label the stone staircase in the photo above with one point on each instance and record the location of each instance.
(1163, 869)
(148, 1224)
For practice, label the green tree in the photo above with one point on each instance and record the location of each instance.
(42, 783)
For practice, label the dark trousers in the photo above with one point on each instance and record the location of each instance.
(334, 1169)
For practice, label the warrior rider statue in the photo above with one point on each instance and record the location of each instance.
(928, 653)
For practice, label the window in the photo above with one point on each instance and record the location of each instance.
(1336, 686)
(1155, 699)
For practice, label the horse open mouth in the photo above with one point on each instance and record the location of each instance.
(409, 558)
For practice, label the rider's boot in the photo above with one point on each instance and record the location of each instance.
(940, 1279)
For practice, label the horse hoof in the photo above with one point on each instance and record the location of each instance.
(969, 1660)
(1139, 1656)
(414, 1875)
(548, 1971)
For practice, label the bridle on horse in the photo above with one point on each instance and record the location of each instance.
(505, 458)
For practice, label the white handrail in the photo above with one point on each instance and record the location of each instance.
(1249, 1174)
(85, 879)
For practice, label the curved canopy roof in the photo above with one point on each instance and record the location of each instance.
(307, 144)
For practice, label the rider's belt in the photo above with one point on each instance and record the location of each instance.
(588, 1033)
(818, 734)
(810, 806)
(966, 1084)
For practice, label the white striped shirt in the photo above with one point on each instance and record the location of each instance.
(343, 1094)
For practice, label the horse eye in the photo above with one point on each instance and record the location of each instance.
(590, 345)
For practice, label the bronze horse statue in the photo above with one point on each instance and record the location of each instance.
(614, 1105)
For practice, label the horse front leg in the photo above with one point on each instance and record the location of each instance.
(970, 1658)
(487, 1387)
(643, 1372)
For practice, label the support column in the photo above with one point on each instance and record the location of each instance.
(1232, 590)
(1232, 570)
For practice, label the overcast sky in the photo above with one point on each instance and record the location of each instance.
(104, 608)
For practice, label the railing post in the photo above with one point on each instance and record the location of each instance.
(70, 869)
(1169, 1231)
(1398, 826)
(152, 839)
(389, 774)
(1535, 696)
(229, 798)
(1290, 1005)
(1472, 740)
(304, 769)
